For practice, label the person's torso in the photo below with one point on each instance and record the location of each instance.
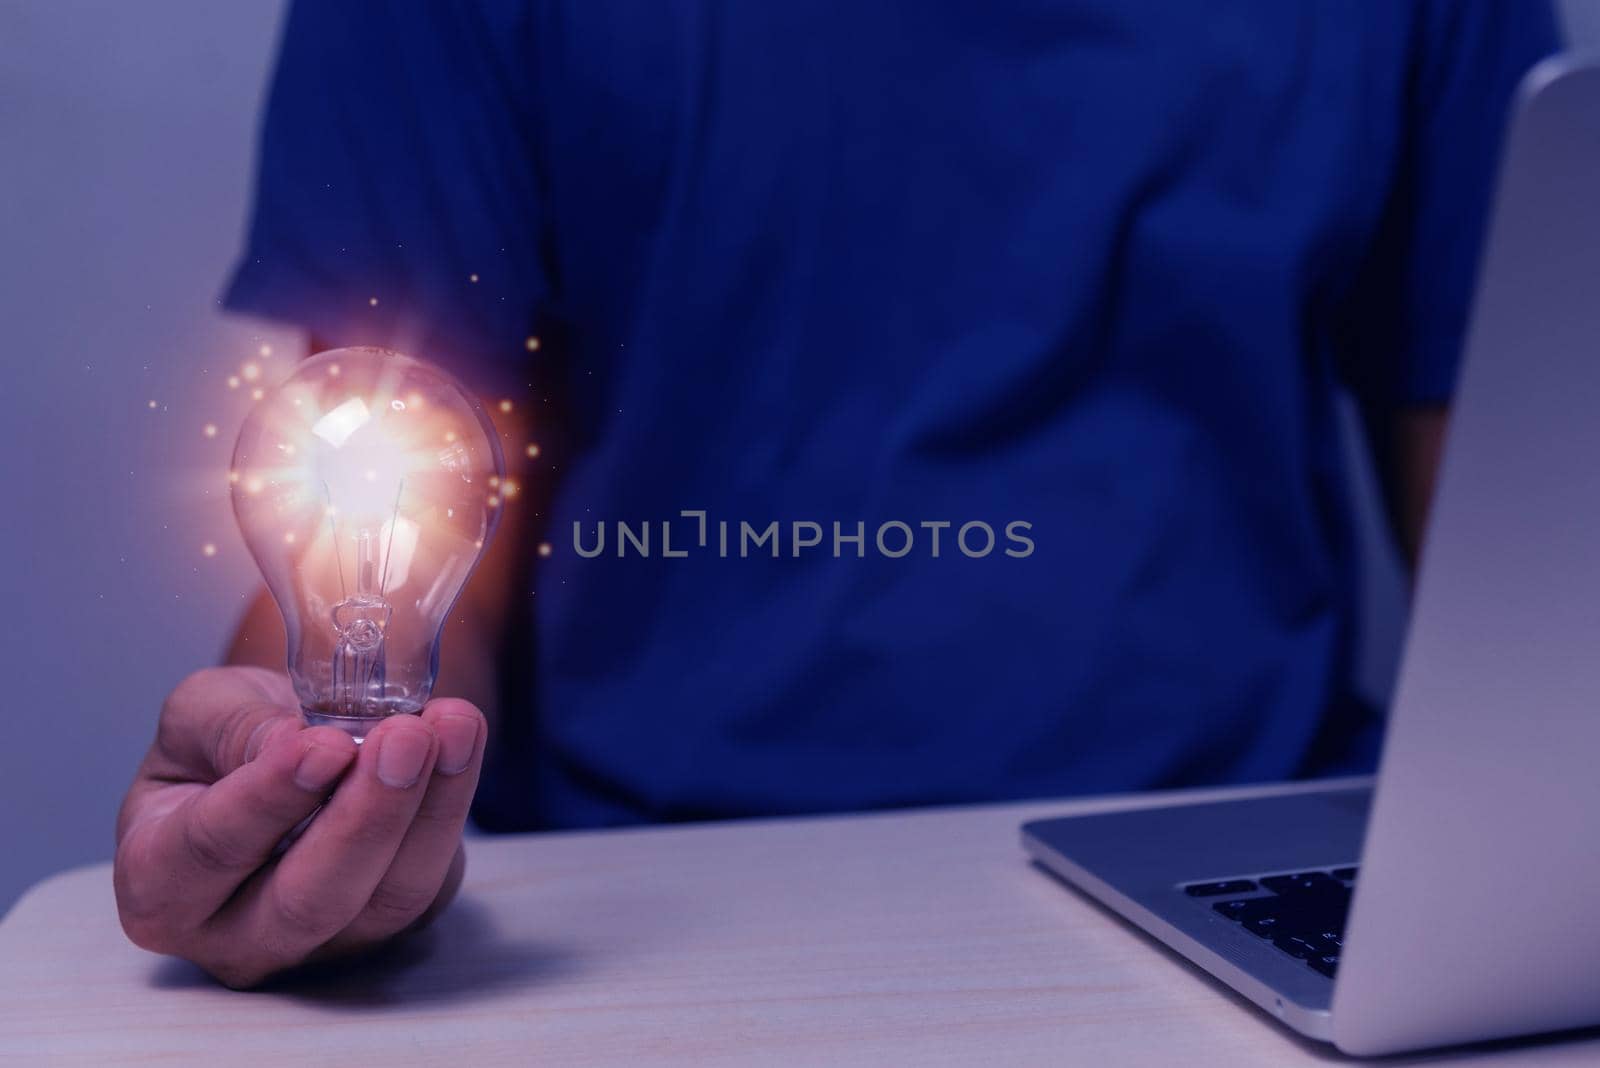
(1073, 265)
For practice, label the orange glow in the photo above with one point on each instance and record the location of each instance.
(347, 454)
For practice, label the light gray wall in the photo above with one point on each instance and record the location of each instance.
(125, 143)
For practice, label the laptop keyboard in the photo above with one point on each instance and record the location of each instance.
(1302, 913)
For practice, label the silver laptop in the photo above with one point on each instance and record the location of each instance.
(1458, 898)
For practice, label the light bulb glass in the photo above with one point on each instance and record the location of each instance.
(364, 484)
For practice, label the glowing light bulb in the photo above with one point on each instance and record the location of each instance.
(366, 518)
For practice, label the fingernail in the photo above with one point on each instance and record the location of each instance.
(401, 755)
(458, 737)
(320, 766)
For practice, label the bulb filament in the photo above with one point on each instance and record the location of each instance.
(362, 621)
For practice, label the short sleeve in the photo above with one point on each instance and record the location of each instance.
(398, 196)
(1410, 319)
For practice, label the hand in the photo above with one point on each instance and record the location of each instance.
(233, 770)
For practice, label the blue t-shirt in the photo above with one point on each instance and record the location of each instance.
(1089, 265)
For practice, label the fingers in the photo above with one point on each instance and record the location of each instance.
(428, 863)
(176, 869)
(327, 877)
(208, 721)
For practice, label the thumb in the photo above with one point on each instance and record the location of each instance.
(248, 729)
(216, 721)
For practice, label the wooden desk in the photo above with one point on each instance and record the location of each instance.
(919, 938)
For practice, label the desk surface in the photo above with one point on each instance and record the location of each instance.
(887, 939)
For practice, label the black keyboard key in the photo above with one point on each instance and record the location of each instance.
(1264, 916)
(1304, 916)
(1267, 925)
(1310, 916)
(1230, 886)
(1347, 874)
(1296, 946)
(1234, 910)
(1306, 881)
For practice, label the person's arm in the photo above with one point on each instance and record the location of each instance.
(1416, 448)
(442, 258)
(1405, 321)
(233, 771)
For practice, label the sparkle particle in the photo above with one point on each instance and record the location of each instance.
(265, 351)
(544, 548)
(510, 489)
(372, 302)
(532, 344)
(250, 372)
(532, 451)
(233, 381)
(288, 537)
(208, 549)
(257, 394)
(494, 502)
(209, 430)
(505, 405)
(472, 278)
